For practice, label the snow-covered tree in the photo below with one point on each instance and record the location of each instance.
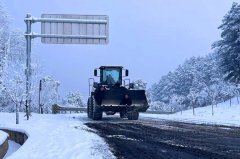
(4, 36)
(48, 94)
(75, 99)
(10, 84)
(198, 81)
(14, 88)
(159, 106)
(13, 73)
(4, 27)
(176, 103)
(13, 65)
(140, 84)
(228, 47)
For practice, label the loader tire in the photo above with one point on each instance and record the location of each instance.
(89, 108)
(133, 115)
(96, 113)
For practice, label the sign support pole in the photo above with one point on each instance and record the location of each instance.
(95, 31)
(28, 64)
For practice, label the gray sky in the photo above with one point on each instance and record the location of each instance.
(149, 38)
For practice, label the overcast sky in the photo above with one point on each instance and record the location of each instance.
(150, 38)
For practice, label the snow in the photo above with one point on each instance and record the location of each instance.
(56, 136)
(3, 137)
(13, 147)
(65, 135)
(223, 115)
(122, 137)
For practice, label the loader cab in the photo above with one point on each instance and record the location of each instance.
(111, 75)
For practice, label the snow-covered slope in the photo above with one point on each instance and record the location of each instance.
(56, 136)
(224, 114)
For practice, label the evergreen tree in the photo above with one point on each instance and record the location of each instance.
(228, 47)
(140, 84)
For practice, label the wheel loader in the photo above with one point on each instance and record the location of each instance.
(115, 88)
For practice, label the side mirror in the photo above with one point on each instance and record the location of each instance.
(126, 72)
(95, 72)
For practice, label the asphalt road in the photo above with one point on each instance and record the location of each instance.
(156, 139)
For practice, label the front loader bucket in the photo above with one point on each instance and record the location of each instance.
(112, 98)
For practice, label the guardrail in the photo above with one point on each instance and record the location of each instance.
(158, 112)
(56, 109)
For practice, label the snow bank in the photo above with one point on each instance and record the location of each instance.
(3, 137)
(56, 136)
(224, 114)
(13, 147)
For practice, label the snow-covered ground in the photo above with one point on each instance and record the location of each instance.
(223, 114)
(56, 136)
(66, 136)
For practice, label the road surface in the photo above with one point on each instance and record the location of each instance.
(156, 139)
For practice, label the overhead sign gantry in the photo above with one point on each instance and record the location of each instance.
(64, 29)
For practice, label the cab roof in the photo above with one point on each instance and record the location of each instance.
(102, 67)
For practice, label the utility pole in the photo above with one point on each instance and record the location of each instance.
(57, 85)
(28, 63)
(39, 97)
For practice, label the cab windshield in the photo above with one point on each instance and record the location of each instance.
(111, 76)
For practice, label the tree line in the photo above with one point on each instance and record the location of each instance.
(202, 81)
